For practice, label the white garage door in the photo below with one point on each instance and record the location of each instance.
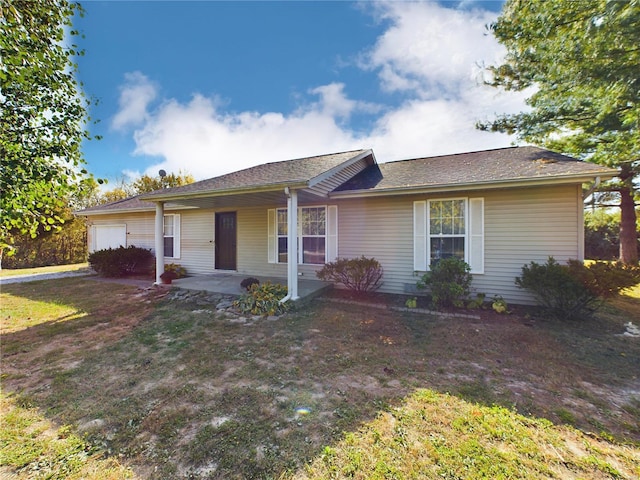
(109, 236)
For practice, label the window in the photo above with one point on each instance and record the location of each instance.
(171, 230)
(449, 228)
(282, 236)
(317, 235)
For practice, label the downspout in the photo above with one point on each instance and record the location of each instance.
(292, 245)
(596, 184)
(159, 241)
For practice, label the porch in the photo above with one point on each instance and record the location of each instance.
(228, 283)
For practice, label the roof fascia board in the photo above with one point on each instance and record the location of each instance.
(347, 163)
(150, 208)
(457, 187)
(158, 197)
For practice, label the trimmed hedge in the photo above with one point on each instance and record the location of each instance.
(121, 261)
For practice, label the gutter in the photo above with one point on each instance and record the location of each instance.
(487, 185)
(596, 184)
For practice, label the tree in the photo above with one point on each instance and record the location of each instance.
(42, 115)
(581, 61)
(146, 183)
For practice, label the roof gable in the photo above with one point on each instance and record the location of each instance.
(301, 171)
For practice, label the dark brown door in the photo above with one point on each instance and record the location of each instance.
(226, 241)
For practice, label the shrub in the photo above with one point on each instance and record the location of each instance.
(357, 274)
(121, 261)
(263, 300)
(574, 290)
(248, 282)
(449, 282)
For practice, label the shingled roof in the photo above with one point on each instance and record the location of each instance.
(297, 172)
(483, 168)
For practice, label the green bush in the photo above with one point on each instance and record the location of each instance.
(263, 300)
(357, 274)
(121, 261)
(449, 282)
(574, 290)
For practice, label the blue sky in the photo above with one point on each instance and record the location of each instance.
(212, 87)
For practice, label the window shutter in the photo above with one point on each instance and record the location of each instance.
(420, 236)
(176, 235)
(272, 245)
(476, 235)
(332, 233)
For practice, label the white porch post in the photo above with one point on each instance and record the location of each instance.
(292, 242)
(159, 240)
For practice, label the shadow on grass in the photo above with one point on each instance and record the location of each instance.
(181, 391)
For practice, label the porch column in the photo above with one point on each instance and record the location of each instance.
(159, 240)
(292, 242)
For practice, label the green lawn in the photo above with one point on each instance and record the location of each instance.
(106, 381)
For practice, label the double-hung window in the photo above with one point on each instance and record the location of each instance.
(444, 228)
(317, 235)
(171, 229)
(447, 229)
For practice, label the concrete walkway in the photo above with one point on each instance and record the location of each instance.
(229, 283)
(44, 276)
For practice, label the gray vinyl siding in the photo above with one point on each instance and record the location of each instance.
(521, 225)
(528, 225)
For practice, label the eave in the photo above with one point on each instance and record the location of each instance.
(473, 186)
(159, 197)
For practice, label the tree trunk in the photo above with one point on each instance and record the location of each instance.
(628, 234)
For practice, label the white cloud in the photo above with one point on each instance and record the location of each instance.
(429, 54)
(199, 139)
(430, 49)
(135, 96)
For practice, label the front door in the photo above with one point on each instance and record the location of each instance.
(225, 242)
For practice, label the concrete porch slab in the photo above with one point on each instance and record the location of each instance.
(228, 283)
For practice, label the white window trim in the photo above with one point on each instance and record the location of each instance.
(330, 234)
(176, 234)
(474, 233)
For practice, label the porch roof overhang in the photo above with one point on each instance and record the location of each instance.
(237, 197)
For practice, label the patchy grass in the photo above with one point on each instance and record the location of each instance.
(32, 448)
(433, 435)
(175, 390)
(7, 273)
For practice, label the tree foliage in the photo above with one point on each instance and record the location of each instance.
(42, 115)
(581, 61)
(147, 183)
